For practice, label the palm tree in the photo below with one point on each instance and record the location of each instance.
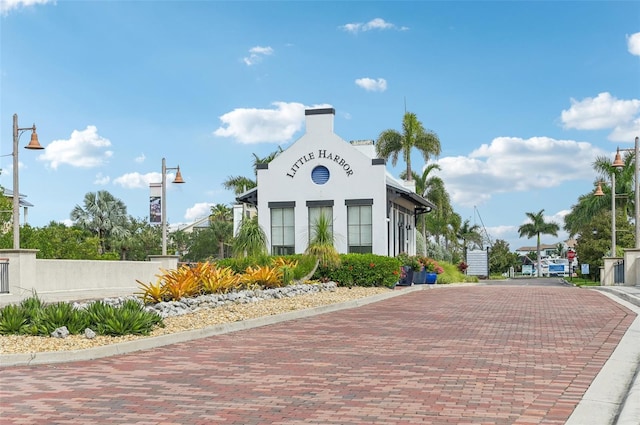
(589, 205)
(469, 233)
(391, 143)
(267, 159)
(240, 184)
(103, 215)
(432, 188)
(221, 224)
(220, 212)
(536, 227)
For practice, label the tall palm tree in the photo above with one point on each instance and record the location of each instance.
(536, 227)
(469, 233)
(221, 224)
(221, 212)
(452, 229)
(391, 143)
(589, 205)
(240, 184)
(265, 160)
(432, 188)
(103, 214)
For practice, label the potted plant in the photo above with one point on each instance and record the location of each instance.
(433, 270)
(410, 265)
(420, 274)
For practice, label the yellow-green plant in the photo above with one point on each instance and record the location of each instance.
(180, 283)
(264, 276)
(287, 267)
(219, 280)
(281, 261)
(151, 292)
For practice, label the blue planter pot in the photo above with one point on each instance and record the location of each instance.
(420, 277)
(407, 280)
(432, 278)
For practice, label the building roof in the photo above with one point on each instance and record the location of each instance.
(249, 197)
(9, 194)
(396, 186)
(197, 224)
(569, 244)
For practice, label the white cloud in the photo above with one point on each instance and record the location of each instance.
(374, 24)
(7, 5)
(85, 149)
(371, 84)
(101, 179)
(252, 125)
(199, 210)
(140, 159)
(633, 44)
(512, 164)
(256, 54)
(603, 111)
(626, 132)
(139, 181)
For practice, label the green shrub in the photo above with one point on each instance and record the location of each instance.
(32, 317)
(240, 264)
(33, 308)
(98, 312)
(363, 270)
(61, 314)
(129, 320)
(306, 263)
(13, 319)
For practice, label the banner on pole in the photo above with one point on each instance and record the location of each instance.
(155, 203)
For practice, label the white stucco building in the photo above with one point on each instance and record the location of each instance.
(320, 173)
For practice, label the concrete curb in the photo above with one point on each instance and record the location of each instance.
(608, 397)
(617, 291)
(27, 359)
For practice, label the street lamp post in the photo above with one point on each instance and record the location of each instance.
(618, 163)
(637, 191)
(599, 192)
(33, 144)
(163, 205)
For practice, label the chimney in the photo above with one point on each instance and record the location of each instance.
(320, 120)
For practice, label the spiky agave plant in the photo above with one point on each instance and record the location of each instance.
(251, 239)
(321, 245)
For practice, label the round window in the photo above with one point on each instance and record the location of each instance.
(320, 174)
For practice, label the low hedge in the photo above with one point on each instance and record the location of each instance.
(362, 270)
(240, 264)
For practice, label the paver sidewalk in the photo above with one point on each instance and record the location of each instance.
(470, 355)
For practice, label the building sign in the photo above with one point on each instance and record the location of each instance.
(155, 203)
(320, 154)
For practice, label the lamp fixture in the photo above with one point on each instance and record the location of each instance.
(599, 191)
(163, 206)
(35, 145)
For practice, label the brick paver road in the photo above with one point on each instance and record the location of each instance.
(467, 355)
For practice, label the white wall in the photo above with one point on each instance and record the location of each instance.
(352, 176)
(58, 280)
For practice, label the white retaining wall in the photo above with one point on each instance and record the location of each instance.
(66, 280)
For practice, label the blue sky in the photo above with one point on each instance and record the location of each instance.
(523, 95)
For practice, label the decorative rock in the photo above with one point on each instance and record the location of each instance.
(62, 332)
(189, 305)
(89, 334)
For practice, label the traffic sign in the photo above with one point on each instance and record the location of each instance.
(571, 255)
